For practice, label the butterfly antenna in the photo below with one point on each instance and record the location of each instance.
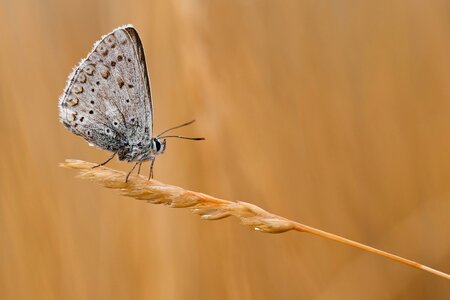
(182, 125)
(182, 137)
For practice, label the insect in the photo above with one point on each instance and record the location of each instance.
(107, 101)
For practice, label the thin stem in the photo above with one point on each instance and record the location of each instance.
(342, 240)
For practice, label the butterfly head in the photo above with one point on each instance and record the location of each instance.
(157, 146)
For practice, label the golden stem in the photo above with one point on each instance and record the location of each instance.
(211, 208)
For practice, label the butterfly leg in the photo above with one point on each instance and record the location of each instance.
(139, 168)
(105, 162)
(150, 176)
(129, 173)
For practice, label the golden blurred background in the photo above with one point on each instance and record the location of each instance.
(331, 113)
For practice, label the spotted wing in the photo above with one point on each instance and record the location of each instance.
(107, 99)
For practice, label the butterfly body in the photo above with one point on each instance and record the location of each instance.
(143, 151)
(107, 99)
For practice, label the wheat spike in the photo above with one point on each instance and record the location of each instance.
(211, 208)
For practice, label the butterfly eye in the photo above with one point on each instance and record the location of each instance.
(157, 145)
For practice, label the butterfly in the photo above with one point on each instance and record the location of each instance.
(107, 101)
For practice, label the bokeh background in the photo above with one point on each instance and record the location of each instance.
(331, 113)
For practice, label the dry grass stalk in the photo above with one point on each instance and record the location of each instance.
(211, 208)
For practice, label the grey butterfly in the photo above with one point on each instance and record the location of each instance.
(107, 100)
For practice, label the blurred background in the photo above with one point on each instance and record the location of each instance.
(331, 113)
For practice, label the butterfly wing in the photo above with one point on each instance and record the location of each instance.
(134, 36)
(107, 99)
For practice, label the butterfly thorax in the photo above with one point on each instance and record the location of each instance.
(142, 151)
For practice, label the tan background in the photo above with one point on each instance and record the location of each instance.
(332, 113)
